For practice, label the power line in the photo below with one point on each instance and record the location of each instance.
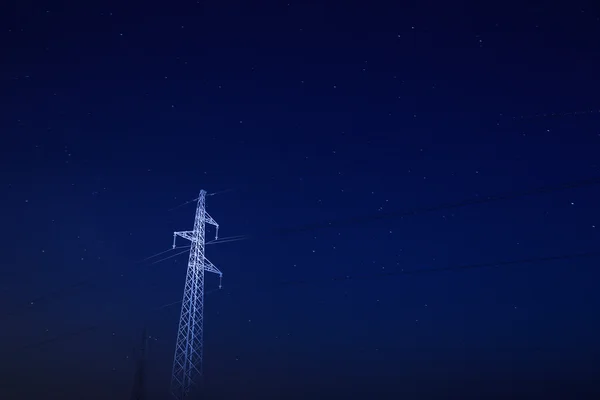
(172, 256)
(183, 204)
(348, 278)
(221, 192)
(229, 239)
(350, 221)
(196, 199)
(446, 206)
(71, 289)
(556, 115)
(226, 239)
(154, 255)
(66, 291)
(395, 272)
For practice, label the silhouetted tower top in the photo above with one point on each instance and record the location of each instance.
(139, 385)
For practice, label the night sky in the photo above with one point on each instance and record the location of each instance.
(353, 143)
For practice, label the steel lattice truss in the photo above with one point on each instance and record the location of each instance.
(187, 364)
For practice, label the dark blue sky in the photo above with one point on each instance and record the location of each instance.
(115, 112)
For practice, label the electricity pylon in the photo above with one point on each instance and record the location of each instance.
(187, 363)
(139, 386)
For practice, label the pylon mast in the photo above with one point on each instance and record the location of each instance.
(187, 363)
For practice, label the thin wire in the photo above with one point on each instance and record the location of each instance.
(166, 258)
(196, 199)
(422, 210)
(168, 305)
(154, 255)
(346, 278)
(220, 240)
(557, 114)
(183, 204)
(396, 272)
(56, 294)
(221, 192)
(73, 288)
(357, 220)
(228, 239)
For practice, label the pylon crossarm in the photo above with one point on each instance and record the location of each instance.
(209, 267)
(189, 235)
(209, 220)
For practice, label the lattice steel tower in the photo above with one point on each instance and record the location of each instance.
(187, 363)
